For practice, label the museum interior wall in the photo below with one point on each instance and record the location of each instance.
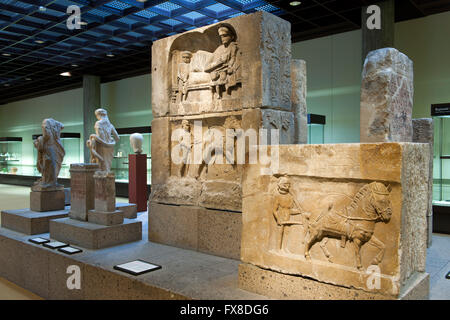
(333, 84)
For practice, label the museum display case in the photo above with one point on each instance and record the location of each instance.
(441, 159)
(123, 148)
(10, 154)
(71, 144)
(316, 128)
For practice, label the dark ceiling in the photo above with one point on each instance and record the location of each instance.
(114, 42)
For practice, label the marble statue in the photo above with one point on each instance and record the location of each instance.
(50, 154)
(136, 140)
(103, 141)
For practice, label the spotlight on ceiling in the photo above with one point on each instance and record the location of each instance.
(65, 74)
(39, 41)
(42, 9)
(82, 23)
(141, 0)
(295, 3)
(109, 54)
(6, 84)
(6, 54)
(28, 79)
(74, 65)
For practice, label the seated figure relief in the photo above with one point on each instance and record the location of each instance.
(218, 71)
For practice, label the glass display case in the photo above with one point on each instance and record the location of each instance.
(123, 149)
(71, 144)
(10, 154)
(316, 128)
(441, 158)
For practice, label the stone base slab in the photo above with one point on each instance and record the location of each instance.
(282, 286)
(210, 231)
(105, 218)
(129, 209)
(41, 201)
(30, 222)
(94, 236)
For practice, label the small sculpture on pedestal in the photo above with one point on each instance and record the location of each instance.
(103, 141)
(50, 155)
(136, 140)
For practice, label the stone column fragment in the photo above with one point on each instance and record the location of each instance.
(423, 132)
(82, 189)
(298, 78)
(387, 91)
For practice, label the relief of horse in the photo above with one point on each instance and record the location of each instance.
(355, 223)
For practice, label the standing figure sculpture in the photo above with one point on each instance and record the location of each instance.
(224, 68)
(50, 154)
(183, 75)
(103, 141)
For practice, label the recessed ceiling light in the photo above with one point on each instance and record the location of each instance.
(295, 3)
(28, 79)
(109, 54)
(6, 54)
(6, 84)
(74, 65)
(65, 74)
(141, 0)
(82, 23)
(42, 8)
(39, 41)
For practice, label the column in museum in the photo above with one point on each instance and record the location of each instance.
(91, 101)
(377, 30)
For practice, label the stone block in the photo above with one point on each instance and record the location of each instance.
(105, 218)
(258, 60)
(284, 286)
(214, 232)
(47, 200)
(94, 236)
(298, 78)
(30, 222)
(387, 92)
(340, 214)
(161, 145)
(129, 209)
(82, 189)
(105, 193)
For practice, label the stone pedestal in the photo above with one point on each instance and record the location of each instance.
(30, 222)
(82, 189)
(137, 177)
(41, 201)
(105, 212)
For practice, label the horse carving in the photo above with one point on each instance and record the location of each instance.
(355, 223)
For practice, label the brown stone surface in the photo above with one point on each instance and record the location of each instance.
(283, 286)
(82, 193)
(258, 65)
(94, 236)
(298, 78)
(30, 222)
(105, 193)
(387, 92)
(47, 200)
(129, 209)
(160, 151)
(105, 218)
(331, 197)
(423, 132)
(215, 232)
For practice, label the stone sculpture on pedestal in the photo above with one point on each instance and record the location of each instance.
(103, 141)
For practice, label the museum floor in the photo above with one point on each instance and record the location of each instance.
(438, 255)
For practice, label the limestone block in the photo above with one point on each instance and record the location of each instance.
(47, 200)
(92, 235)
(105, 193)
(160, 151)
(387, 92)
(221, 194)
(129, 209)
(82, 196)
(352, 215)
(211, 231)
(298, 78)
(191, 78)
(106, 218)
(423, 132)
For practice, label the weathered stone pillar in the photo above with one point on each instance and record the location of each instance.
(387, 92)
(82, 189)
(298, 78)
(423, 132)
(373, 39)
(91, 101)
